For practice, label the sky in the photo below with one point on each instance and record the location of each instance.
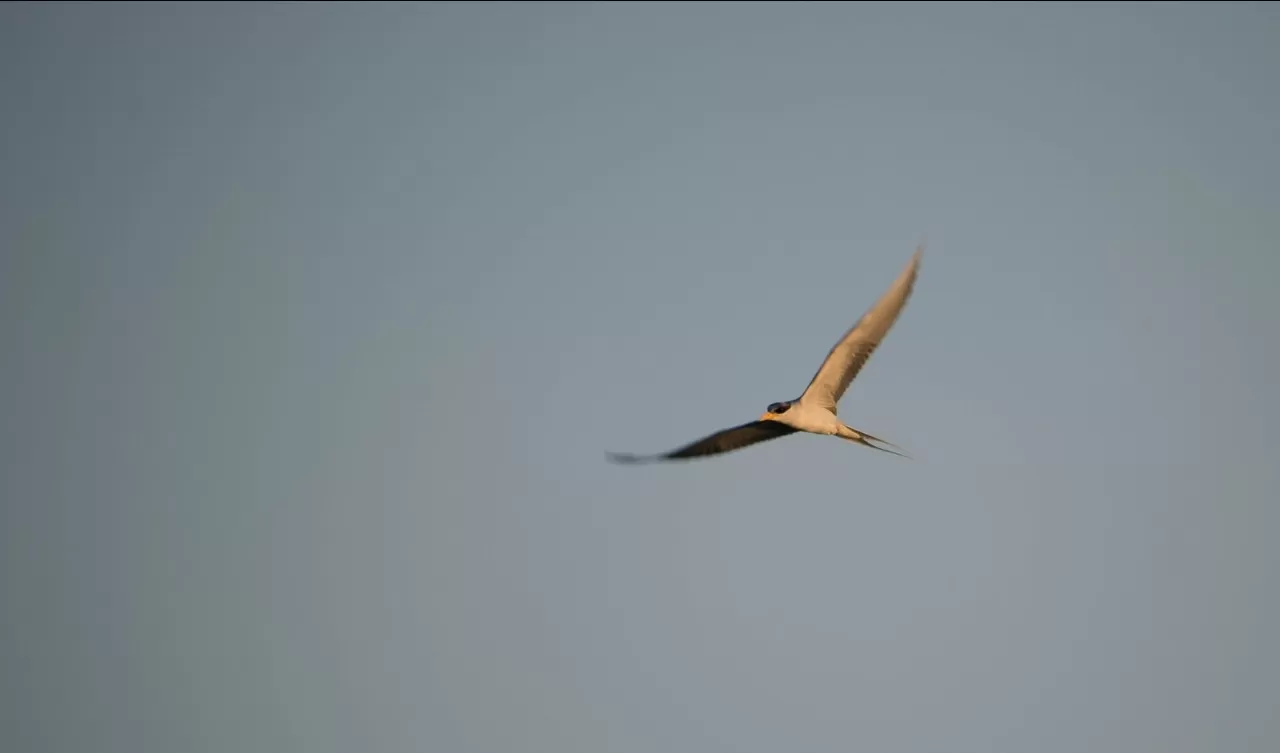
(317, 321)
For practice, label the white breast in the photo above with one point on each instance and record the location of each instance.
(811, 418)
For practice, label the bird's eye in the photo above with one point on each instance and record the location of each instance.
(778, 408)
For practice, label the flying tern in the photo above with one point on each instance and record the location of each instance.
(815, 410)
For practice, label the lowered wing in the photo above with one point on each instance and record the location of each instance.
(726, 440)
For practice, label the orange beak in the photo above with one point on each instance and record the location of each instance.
(768, 416)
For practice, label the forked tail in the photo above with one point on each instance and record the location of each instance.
(861, 437)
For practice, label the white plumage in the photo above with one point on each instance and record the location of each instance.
(815, 410)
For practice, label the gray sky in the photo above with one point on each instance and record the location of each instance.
(317, 321)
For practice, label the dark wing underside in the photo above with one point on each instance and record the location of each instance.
(723, 441)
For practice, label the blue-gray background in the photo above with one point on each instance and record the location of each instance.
(318, 319)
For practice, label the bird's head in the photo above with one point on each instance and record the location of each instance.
(774, 410)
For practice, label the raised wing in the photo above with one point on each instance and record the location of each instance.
(723, 441)
(849, 355)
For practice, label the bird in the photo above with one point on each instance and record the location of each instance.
(814, 412)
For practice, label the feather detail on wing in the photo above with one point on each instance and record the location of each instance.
(849, 355)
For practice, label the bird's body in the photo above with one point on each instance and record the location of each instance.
(803, 416)
(814, 412)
